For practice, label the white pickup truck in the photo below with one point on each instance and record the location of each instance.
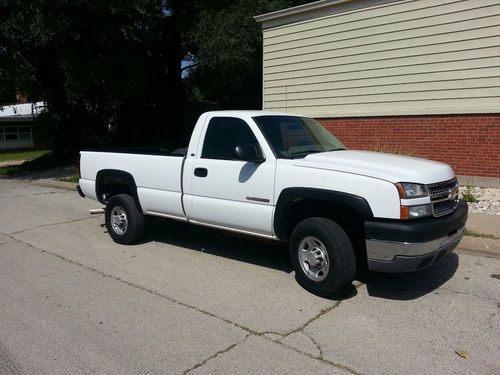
(286, 178)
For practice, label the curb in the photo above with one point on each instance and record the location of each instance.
(11, 163)
(480, 246)
(55, 184)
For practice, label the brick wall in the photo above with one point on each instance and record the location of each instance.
(469, 143)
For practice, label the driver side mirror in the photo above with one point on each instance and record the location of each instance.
(248, 152)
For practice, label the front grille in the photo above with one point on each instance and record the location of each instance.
(444, 207)
(442, 189)
(444, 197)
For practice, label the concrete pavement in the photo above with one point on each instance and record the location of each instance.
(191, 299)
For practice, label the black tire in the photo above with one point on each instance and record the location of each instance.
(322, 256)
(131, 226)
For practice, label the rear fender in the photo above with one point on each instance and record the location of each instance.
(121, 178)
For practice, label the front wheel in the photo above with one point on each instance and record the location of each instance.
(124, 222)
(322, 256)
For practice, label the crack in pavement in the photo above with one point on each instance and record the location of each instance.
(34, 194)
(317, 316)
(47, 225)
(249, 331)
(434, 290)
(491, 324)
(95, 297)
(302, 328)
(316, 345)
(170, 299)
(327, 361)
(479, 253)
(265, 333)
(8, 365)
(215, 355)
(466, 294)
(49, 274)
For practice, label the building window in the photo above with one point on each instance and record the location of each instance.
(24, 133)
(15, 137)
(11, 134)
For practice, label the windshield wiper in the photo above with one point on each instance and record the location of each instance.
(303, 153)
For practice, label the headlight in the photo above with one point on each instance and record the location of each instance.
(414, 212)
(410, 190)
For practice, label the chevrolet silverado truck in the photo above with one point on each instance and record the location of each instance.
(286, 178)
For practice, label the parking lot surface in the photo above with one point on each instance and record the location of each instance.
(190, 299)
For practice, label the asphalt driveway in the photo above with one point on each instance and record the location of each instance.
(195, 300)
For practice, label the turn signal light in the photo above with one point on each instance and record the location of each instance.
(415, 212)
(405, 213)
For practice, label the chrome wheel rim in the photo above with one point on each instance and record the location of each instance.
(119, 221)
(313, 258)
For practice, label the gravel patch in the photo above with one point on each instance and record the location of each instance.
(488, 199)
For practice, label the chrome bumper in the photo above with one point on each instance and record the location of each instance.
(390, 256)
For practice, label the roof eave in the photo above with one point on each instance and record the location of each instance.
(317, 5)
(17, 118)
(315, 10)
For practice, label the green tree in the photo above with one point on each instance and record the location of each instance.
(226, 47)
(99, 65)
(111, 71)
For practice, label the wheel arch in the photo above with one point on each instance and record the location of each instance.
(110, 182)
(297, 204)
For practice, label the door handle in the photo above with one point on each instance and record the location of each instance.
(201, 172)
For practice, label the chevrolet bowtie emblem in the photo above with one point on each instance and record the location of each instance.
(453, 193)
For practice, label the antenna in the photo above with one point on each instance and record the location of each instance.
(286, 98)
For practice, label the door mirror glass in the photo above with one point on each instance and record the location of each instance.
(248, 152)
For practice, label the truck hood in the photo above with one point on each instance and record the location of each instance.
(389, 167)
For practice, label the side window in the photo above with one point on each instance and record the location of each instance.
(222, 136)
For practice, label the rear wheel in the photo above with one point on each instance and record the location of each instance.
(124, 222)
(322, 256)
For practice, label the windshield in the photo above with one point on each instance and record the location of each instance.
(296, 137)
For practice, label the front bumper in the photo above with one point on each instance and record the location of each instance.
(406, 246)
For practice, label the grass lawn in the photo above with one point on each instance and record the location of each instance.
(22, 155)
(35, 161)
(73, 179)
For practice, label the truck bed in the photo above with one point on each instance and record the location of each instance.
(157, 176)
(152, 150)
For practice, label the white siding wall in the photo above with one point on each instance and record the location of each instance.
(406, 57)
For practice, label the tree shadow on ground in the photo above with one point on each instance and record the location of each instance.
(273, 254)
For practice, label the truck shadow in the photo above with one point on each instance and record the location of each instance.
(413, 285)
(271, 254)
(253, 250)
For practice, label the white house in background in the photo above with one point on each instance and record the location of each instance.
(16, 125)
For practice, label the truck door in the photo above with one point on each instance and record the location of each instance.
(225, 192)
